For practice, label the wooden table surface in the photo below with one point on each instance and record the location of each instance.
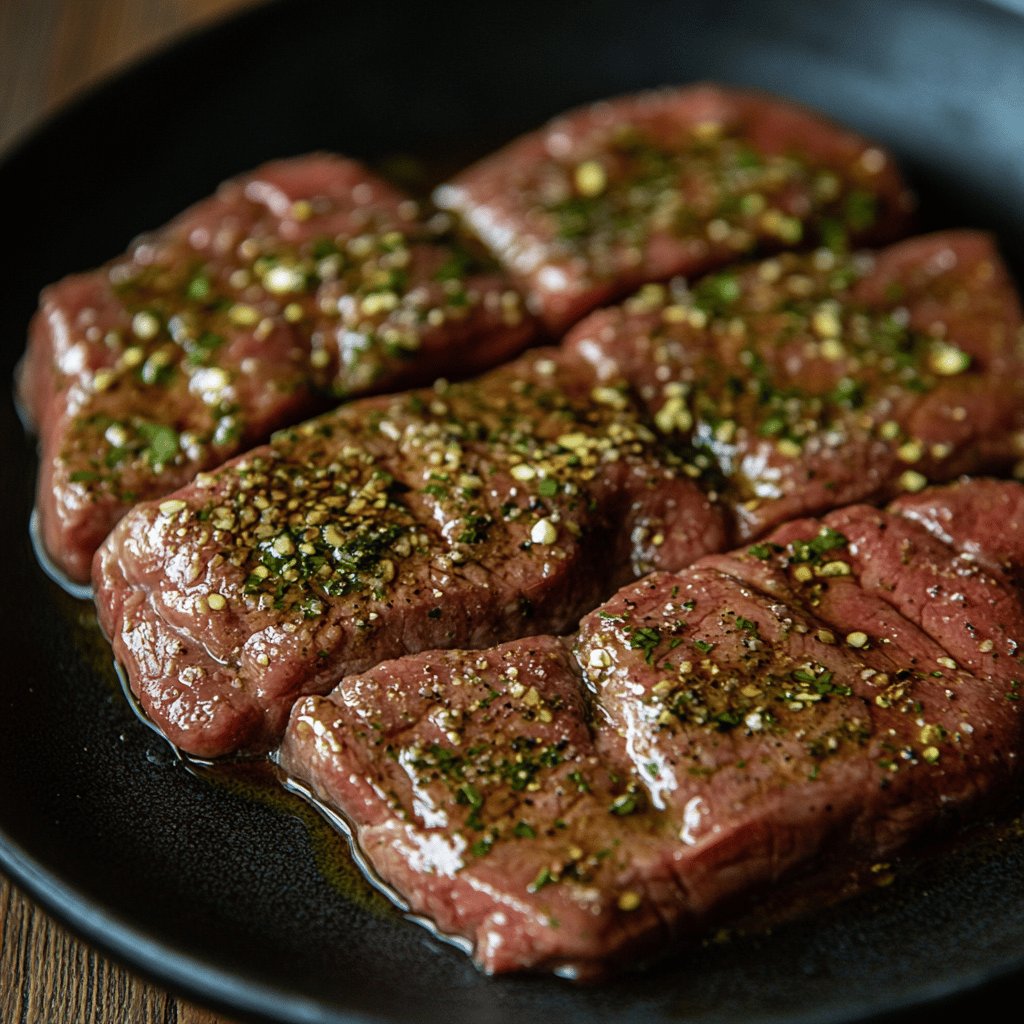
(49, 50)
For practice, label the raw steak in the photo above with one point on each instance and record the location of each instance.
(818, 380)
(469, 514)
(454, 516)
(305, 282)
(843, 687)
(677, 181)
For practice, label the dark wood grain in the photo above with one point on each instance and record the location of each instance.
(52, 49)
(49, 977)
(49, 51)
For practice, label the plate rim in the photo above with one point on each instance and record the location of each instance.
(169, 965)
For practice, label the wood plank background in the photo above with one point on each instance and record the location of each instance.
(50, 50)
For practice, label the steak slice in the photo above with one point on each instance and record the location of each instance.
(308, 280)
(677, 181)
(509, 497)
(456, 516)
(818, 380)
(844, 687)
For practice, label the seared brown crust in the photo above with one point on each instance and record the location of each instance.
(302, 283)
(845, 686)
(676, 181)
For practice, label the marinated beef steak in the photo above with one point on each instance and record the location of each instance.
(470, 514)
(814, 381)
(455, 516)
(306, 281)
(677, 181)
(841, 688)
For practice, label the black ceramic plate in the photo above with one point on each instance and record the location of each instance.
(242, 899)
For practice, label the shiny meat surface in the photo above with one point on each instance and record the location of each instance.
(679, 181)
(458, 516)
(843, 687)
(813, 381)
(293, 287)
(465, 515)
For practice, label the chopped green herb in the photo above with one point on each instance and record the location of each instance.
(579, 781)
(544, 877)
(717, 293)
(625, 804)
(161, 442)
(481, 847)
(813, 549)
(860, 209)
(198, 288)
(645, 639)
(475, 528)
(469, 794)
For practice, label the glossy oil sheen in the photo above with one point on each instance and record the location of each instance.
(244, 901)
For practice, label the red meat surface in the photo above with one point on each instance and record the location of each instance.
(678, 181)
(293, 287)
(468, 514)
(840, 689)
